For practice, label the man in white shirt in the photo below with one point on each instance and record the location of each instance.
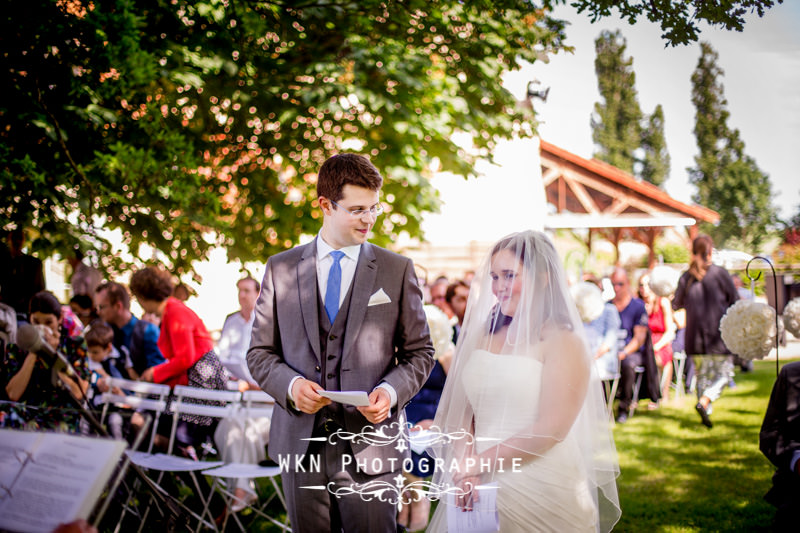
(235, 338)
(241, 440)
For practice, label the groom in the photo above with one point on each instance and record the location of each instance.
(339, 314)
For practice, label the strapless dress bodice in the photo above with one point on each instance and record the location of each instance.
(504, 393)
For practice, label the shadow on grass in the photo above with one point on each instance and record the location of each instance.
(677, 475)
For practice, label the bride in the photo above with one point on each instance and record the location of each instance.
(524, 388)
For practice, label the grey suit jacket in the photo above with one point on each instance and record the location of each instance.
(388, 343)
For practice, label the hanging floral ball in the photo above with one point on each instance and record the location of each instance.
(588, 300)
(664, 280)
(749, 329)
(441, 330)
(791, 317)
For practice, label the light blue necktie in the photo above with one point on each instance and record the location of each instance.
(334, 286)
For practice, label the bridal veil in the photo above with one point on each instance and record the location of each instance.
(524, 385)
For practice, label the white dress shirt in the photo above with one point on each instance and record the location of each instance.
(234, 341)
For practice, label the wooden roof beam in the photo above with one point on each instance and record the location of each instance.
(550, 174)
(582, 195)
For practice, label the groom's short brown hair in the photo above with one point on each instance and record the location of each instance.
(346, 169)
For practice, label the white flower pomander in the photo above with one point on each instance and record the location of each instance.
(441, 330)
(791, 317)
(748, 329)
(664, 281)
(589, 301)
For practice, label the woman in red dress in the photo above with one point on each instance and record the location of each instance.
(186, 345)
(662, 329)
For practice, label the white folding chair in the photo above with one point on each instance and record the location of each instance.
(137, 396)
(678, 366)
(255, 404)
(258, 403)
(610, 383)
(185, 401)
(637, 385)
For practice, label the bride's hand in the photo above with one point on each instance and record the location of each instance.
(469, 498)
(467, 479)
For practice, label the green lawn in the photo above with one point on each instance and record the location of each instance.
(677, 475)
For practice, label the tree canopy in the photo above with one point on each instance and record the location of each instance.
(679, 19)
(190, 124)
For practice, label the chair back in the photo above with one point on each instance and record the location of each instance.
(216, 404)
(258, 404)
(138, 395)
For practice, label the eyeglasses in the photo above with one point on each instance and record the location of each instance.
(374, 211)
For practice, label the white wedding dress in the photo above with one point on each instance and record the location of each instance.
(548, 492)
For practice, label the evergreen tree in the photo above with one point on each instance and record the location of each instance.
(625, 137)
(727, 180)
(616, 128)
(655, 161)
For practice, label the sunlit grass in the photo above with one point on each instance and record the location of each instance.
(677, 475)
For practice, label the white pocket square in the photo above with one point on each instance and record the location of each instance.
(379, 298)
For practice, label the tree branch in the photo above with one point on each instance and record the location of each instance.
(62, 143)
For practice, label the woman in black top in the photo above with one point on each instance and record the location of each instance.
(706, 291)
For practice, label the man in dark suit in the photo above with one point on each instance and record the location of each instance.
(780, 442)
(339, 314)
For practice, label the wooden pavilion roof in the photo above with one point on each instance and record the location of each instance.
(592, 194)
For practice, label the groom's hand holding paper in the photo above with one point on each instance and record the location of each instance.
(305, 394)
(379, 405)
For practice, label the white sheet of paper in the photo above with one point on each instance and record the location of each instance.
(420, 439)
(359, 398)
(483, 517)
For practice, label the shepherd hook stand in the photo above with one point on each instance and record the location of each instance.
(775, 282)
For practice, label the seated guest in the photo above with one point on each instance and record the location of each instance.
(633, 346)
(456, 297)
(185, 343)
(779, 441)
(601, 323)
(83, 307)
(662, 329)
(104, 358)
(105, 361)
(71, 322)
(235, 337)
(438, 292)
(241, 439)
(8, 327)
(420, 412)
(32, 380)
(136, 338)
